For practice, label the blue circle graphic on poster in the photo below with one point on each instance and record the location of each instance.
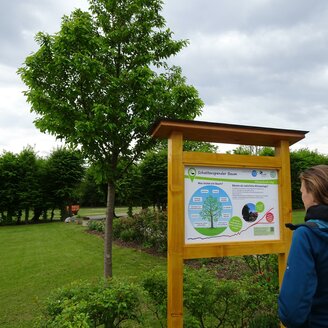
(209, 210)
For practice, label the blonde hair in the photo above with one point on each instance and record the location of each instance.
(315, 180)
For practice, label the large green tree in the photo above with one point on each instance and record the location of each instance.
(101, 80)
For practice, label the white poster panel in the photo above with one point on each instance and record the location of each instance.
(230, 204)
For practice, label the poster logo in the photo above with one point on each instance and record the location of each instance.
(192, 173)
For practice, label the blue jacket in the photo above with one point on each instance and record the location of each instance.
(303, 299)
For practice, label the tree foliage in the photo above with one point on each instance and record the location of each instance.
(32, 184)
(102, 79)
(92, 193)
(300, 160)
(145, 184)
(64, 173)
(129, 189)
(9, 180)
(253, 150)
(153, 170)
(29, 188)
(92, 83)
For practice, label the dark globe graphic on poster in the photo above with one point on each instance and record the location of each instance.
(209, 210)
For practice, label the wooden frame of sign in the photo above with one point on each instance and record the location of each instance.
(178, 249)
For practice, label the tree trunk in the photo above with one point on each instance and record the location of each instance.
(108, 243)
(52, 214)
(63, 213)
(70, 212)
(130, 211)
(19, 216)
(27, 212)
(37, 214)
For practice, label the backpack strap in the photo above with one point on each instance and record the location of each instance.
(305, 224)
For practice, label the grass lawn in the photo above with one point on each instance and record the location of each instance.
(36, 259)
(298, 216)
(86, 211)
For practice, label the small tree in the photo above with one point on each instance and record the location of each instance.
(29, 184)
(129, 189)
(9, 179)
(153, 171)
(64, 169)
(102, 79)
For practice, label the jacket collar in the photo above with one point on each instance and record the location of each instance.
(317, 212)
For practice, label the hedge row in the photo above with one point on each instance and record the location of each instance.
(208, 303)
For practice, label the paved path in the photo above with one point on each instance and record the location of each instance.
(96, 217)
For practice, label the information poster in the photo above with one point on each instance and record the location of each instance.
(230, 204)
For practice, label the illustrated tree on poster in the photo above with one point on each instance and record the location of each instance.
(212, 210)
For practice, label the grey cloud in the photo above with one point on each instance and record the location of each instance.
(17, 19)
(254, 62)
(21, 20)
(190, 16)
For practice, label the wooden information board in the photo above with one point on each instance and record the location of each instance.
(251, 197)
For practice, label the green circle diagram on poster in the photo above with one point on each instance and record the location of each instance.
(235, 224)
(259, 207)
(210, 211)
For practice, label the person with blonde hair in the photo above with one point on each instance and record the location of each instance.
(303, 298)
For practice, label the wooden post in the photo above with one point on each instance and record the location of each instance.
(285, 204)
(175, 231)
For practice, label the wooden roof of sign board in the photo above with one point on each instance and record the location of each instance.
(225, 133)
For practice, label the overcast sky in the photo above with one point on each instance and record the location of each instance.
(254, 62)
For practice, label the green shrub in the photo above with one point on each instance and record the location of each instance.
(148, 229)
(254, 299)
(83, 304)
(209, 302)
(264, 269)
(155, 229)
(264, 320)
(128, 235)
(95, 225)
(155, 284)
